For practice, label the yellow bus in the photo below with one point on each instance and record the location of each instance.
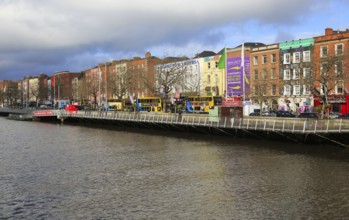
(204, 103)
(149, 104)
(116, 104)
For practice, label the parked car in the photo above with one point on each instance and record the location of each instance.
(345, 116)
(308, 115)
(284, 114)
(263, 114)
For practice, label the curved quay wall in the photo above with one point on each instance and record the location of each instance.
(334, 131)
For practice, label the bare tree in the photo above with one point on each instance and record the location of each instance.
(35, 92)
(169, 76)
(328, 75)
(120, 82)
(93, 86)
(11, 93)
(262, 89)
(82, 91)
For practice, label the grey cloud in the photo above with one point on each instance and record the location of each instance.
(63, 30)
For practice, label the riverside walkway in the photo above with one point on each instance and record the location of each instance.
(295, 129)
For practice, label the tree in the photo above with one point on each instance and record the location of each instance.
(93, 84)
(262, 88)
(11, 93)
(120, 82)
(169, 76)
(35, 92)
(329, 72)
(82, 91)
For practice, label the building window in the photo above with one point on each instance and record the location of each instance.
(296, 57)
(255, 60)
(273, 73)
(296, 90)
(255, 74)
(306, 56)
(306, 90)
(339, 68)
(209, 65)
(287, 58)
(255, 90)
(273, 58)
(339, 49)
(273, 89)
(264, 74)
(287, 74)
(264, 88)
(208, 79)
(340, 87)
(323, 51)
(216, 64)
(264, 59)
(296, 73)
(306, 73)
(324, 69)
(287, 90)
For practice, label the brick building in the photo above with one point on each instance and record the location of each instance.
(265, 76)
(331, 70)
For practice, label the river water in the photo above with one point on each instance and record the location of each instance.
(54, 171)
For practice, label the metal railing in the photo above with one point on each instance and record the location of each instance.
(290, 125)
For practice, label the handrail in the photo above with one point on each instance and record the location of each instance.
(292, 125)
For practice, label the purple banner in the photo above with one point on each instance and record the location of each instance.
(235, 76)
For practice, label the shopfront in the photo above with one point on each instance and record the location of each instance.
(339, 104)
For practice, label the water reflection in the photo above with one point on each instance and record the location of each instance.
(50, 171)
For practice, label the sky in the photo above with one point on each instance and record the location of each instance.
(45, 36)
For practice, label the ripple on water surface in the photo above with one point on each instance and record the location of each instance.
(50, 171)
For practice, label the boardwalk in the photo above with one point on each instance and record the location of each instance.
(294, 125)
(290, 128)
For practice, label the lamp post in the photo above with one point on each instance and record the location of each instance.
(106, 87)
(54, 91)
(99, 87)
(199, 76)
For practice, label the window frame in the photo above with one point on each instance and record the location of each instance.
(287, 89)
(273, 58)
(255, 60)
(336, 49)
(296, 57)
(273, 89)
(296, 72)
(264, 59)
(306, 56)
(336, 68)
(287, 74)
(306, 73)
(322, 54)
(296, 89)
(287, 58)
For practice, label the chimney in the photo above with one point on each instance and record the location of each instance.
(328, 31)
(147, 54)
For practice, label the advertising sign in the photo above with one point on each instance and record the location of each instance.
(235, 76)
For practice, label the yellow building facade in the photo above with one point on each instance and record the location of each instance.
(213, 79)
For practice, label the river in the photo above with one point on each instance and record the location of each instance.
(55, 171)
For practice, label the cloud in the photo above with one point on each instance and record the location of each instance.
(78, 29)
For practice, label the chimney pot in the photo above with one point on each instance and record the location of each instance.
(328, 31)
